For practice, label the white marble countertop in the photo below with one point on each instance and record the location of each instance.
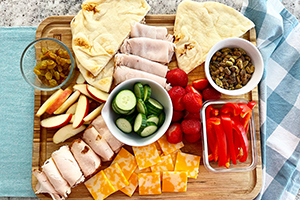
(31, 13)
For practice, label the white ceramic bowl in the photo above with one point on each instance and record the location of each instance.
(133, 139)
(251, 51)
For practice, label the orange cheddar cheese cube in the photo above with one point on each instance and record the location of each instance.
(174, 181)
(145, 170)
(133, 183)
(126, 162)
(99, 186)
(149, 183)
(189, 163)
(146, 156)
(166, 164)
(168, 147)
(116, 176)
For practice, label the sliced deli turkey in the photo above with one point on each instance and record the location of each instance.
(198, 26)
(100, 27)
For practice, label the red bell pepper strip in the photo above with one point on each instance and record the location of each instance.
(221, 141)
(208, 111)
(211, 137)
(237, 145)
(251, 104)
(227, 126)
(236, 110)
(214, 112)
(244, 109)
(240, 130)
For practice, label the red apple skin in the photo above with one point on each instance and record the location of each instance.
(59, 125)
(59, 101)
(89, 89)
(85, 114)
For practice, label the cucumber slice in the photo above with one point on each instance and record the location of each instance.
(147, 92)
(149, 129)
(120, 111)
(124, 125)
(161, 117)
(125, 100)
(131, 117)
(141, 106)
(138, 90)
(154, 107)
(153, 118)
(140, 123)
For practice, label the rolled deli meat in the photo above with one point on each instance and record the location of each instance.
(105, 133)
(88, 161)
(139, 63)
(55, 178)
(44, 186)
(152, 49)
(67, 166)
(142, 30)
(123, 73)
(92, 137)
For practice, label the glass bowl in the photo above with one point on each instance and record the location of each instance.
(61, 69)
(252, 158)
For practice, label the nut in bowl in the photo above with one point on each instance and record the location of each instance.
(234, 66)
(128, 115)
(229, 140)
(47, 64)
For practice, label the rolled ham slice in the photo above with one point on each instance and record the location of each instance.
(55, 178)
(139, 63)
(92, 137)
(44, 186)
(142, 30)
(105, 133)
(123, 73)
(68, 166)
(88, 161)
(152, 49)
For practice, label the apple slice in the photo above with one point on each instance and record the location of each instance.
(72, 109)
(84, 122)
(59, 101)
(48, 102)
(96, 93)
(70, 101)
(82, 89)
(56, 121)
(80, 79)
(66, 132)
(82, 109)
(95, 113)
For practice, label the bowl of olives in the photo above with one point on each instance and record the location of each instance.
(234, 66)
(47, 64)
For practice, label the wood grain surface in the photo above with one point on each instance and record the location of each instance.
(208, 185)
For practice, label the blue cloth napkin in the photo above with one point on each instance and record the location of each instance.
(16, 115)
(279, 42)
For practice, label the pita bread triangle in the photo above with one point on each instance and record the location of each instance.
(198, 26)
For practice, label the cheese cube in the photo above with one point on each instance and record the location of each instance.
(189, 163)
(145, 170)
(146, 156)
(165, 165)
(116, 176)
(99, 186)
(149, 183)
(174, 181)
(126, 162)
(168, 147)
(133, 183)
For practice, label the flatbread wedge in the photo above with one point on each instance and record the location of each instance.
(103, 80)
(198, 26)
(99, 29)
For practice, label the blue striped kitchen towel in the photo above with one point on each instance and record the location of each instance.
(16, 115)
(279, 42)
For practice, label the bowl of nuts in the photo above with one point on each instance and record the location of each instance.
(234, 66)
(47, 64)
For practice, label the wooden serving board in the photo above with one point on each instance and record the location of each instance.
(208, 185)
